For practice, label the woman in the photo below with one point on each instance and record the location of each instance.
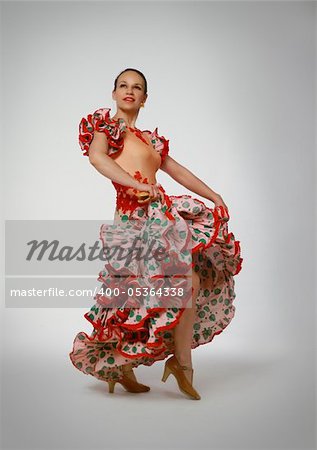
(127, 336)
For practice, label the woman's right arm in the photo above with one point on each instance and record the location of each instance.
(98, 157)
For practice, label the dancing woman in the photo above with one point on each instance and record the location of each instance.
(125, 337)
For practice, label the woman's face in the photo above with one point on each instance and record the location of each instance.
(129, 84)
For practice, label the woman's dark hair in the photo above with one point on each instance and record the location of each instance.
(135, 70)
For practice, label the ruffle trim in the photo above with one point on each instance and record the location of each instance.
(229, 252)
(160, 143)
(116, 327)
(220, 220)
(100, 121)
(114, 129)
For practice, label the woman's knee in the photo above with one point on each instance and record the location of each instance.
(195, 286)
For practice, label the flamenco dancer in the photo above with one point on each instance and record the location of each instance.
(124, 337)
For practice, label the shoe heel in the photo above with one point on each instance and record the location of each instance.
(166, 373)
(111, 386)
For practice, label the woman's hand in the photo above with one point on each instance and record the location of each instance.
(152, 191)
(219, 202)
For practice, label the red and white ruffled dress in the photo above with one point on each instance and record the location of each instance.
(141, 333)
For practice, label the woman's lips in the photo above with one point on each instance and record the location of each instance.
(128, 99)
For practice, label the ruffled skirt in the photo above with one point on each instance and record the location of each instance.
(136, 329)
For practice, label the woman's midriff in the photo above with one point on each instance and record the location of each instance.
(142, 162)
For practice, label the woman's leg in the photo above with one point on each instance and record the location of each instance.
(183, 332)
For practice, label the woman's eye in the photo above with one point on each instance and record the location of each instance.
(121, 85)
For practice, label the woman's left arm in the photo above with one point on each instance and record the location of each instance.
(187, 179)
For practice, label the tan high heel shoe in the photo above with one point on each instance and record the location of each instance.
(172, 366)
(128, 381)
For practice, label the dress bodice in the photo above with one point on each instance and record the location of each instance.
(139, 154)
(148, 150)
(115, 130)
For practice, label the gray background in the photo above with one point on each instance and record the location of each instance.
(231, 85)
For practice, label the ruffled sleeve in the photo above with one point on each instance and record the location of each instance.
(100, 121)
(160, 143)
